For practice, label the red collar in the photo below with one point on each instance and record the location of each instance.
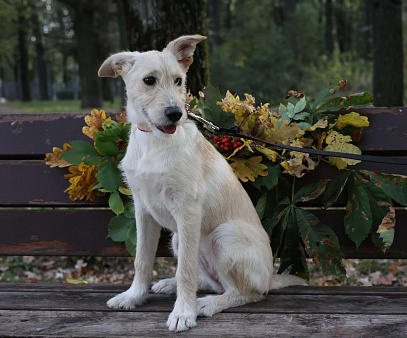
(146, 131)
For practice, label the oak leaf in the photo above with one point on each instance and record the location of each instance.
(248, 169)
(54, 160)
(83, 180)
(94, 121)
(341, 143)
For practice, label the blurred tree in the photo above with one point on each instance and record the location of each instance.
(151, 24)
(388, 53)
(84, 19)
(39, 48)
(329, 43)
(22, 18)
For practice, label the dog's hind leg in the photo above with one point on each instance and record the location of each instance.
(148, 233)
(209, 305)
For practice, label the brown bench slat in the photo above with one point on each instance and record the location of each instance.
(30, 183)
(25, 134)
(83, 232)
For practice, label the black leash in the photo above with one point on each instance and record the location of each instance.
(366, 158)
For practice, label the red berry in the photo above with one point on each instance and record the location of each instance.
(226, 148)
(239, 143)
(222, 146)
(227, 144)
(216, 138)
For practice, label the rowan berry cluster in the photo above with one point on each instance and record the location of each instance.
(227, 143)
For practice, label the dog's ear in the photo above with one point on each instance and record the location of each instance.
(117, 64)
(183, 48)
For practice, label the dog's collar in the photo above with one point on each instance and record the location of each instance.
(141, 129)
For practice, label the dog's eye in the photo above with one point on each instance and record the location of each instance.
(150, 81)
(178, 81)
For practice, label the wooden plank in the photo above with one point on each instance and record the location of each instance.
(60, 232)
(384, 291)
(26, 134)
(273, 303)
(33, 183)
(36, 134)
(125, 324)
(83, 232)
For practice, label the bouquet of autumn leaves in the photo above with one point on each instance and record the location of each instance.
(294, 231)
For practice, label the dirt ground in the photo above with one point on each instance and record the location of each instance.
(31, 269)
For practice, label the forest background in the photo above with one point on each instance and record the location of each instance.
(51, 49)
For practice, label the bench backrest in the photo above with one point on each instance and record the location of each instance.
(38, 218)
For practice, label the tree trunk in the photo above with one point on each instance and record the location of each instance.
(151, 24)
(387, 53)
(22, 47)
(341, 26)
(84, 23)
(39, 48)
(329, 44)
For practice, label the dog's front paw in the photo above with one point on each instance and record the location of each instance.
(167, 286)
(178, 322)
(127, 300)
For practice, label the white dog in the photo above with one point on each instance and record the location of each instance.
(180, 182)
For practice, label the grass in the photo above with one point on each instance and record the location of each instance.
(61, 106)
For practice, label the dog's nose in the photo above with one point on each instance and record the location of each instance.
(173, 113)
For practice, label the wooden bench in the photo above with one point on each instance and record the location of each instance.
(37, 218)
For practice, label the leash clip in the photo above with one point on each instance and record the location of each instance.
(200, 118)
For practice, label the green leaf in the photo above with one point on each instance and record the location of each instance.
(109, 176)
(358, 218)
(116, 203)
(276, 224)
(293, 254)
(393, 185)
(321, 243)
(132, 234)
(383, 217)
(335, 189)
(261, 205)
(210, 111)
(299, 107)
(128, 208)
(310, 191)
(106, 145)
(355, 100)
(269, 181)
(119, 227)
(81, 151)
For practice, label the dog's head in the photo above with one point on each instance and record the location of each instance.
(155, 83)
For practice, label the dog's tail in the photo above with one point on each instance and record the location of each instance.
(282, 281)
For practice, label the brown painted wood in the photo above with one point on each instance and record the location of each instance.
(33, 183)
(60, 232)
(83, 232)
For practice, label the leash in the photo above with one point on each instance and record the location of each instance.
(366, 158)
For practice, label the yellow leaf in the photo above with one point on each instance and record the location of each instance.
(341, 143)
(83, 179)
(95, 121)
(285, 133)
(322, 123)
(353, 119)
(124, 191)
(298, 161)
(248, 169)
(122, 117)
(75, 281)
(53, 159)
(270, 154)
